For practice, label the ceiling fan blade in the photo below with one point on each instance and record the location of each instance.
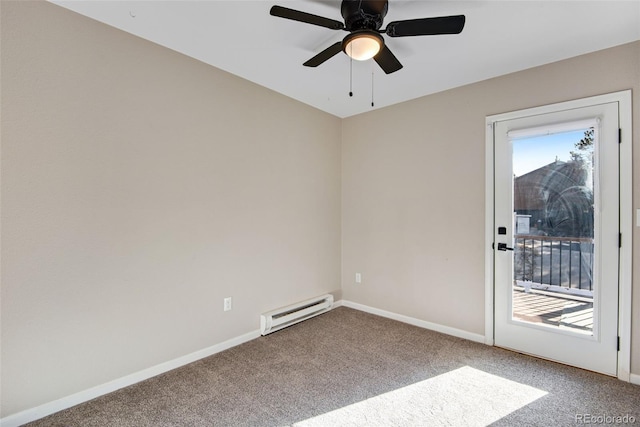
(387, 61)
(328, 53)
(296, 15)
(426, 26)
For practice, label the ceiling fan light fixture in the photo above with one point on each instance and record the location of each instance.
(362, 45)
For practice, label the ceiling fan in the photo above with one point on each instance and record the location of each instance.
(363, 20)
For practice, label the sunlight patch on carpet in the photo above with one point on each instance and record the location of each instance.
(463, 397)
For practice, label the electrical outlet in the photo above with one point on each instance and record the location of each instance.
(358, 278)
(227, 304)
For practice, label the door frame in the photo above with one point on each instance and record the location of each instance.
(623, 99)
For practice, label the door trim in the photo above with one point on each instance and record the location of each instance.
(623, 99)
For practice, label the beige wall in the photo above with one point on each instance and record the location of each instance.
(139, 188)
(413, 189)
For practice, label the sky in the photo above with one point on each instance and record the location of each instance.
(537, 151)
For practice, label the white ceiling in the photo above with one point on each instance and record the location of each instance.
(499, 37)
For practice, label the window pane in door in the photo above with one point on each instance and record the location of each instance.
(553, 198)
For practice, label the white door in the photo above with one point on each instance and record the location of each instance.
(557, 235)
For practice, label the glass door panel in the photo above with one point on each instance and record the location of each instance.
(553, 198)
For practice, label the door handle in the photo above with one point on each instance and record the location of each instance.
(504, 247)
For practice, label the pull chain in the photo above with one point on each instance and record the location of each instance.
(372, 104)
(350, 73)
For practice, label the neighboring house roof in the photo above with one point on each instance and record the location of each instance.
(540, 187)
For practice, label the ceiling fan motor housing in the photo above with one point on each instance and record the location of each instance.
(363, 14)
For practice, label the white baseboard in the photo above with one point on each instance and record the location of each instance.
(86, 395)
(416, 322)
(634, 379)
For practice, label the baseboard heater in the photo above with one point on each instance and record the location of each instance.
(286, 316)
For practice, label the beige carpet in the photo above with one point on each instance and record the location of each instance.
(349, 368)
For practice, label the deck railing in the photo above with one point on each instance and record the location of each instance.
(557, 261)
